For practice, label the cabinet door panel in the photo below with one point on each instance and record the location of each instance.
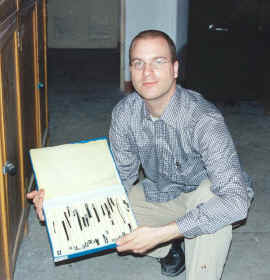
(7, 7)
(42, 66)
(11, 144)
(27, 79)
(2, 256)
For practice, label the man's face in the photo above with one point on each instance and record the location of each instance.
(152, 72)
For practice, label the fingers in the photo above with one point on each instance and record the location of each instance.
(125, 239)
(132, 246)
(130, 242)
(139, 241)
(125, 243)
(38, 198)
(31, 195)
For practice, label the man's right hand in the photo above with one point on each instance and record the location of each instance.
(38, 198)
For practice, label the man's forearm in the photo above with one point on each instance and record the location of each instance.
(170, 232)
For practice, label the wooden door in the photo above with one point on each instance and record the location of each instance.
(11, 190)
(20, 121)
(223, 49)
(7, 7)
(3, 249)
(41, 67)
(27, 84)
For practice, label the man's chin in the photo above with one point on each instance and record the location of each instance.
(148, 97)
(148, 91)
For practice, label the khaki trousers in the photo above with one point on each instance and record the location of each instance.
(205, 254)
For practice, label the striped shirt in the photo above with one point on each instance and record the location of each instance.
(189, 143)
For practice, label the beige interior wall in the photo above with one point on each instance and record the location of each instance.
(83, 24)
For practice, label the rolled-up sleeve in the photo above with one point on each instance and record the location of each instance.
(212, 140)
(124, 152)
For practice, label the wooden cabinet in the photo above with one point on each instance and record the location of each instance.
(11, 202)
(41, 75)
(6, 8)
(23, 116)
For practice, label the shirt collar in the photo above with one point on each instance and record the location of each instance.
(169, 115)
(145, 113)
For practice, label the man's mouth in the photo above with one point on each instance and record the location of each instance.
(149, 84)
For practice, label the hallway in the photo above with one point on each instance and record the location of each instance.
(83, 89)
(80, 105)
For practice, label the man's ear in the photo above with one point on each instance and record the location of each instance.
(175, 68)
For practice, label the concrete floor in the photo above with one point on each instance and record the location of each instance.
(80, 109)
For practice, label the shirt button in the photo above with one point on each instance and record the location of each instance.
(178, 164)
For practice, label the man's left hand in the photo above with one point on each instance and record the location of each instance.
(145, 238)
(139, 241)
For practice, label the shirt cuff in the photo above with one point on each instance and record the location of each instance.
(186, 226)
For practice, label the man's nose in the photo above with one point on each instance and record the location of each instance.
(148, 69)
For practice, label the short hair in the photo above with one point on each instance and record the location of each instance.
(151, 33)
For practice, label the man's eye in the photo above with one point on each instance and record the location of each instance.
(138, 64)
(160, 60)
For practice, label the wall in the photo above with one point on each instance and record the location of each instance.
(83, 24)
(96, 23)
(155, 14)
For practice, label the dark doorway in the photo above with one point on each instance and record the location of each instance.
(226, 51)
